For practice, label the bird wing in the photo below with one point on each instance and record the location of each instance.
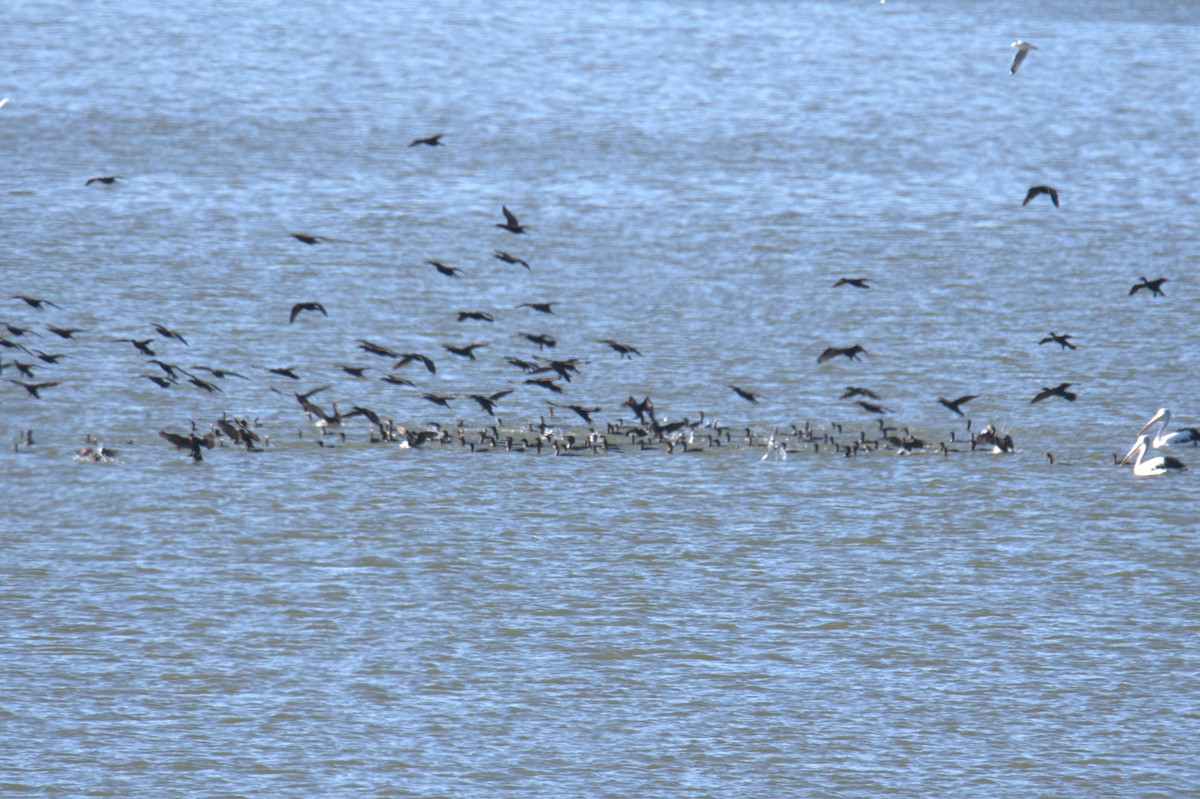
(1017, 59)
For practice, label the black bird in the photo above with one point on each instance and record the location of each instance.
(562, 368)
(12, 345)
(850, 352)
(161, 382)
(211, 388)
(509, 259)
(744, 394)
(954, 404)
(353, 371)
(448, 271)
(429, 141)
(546, 383)
(510, 222)
(306, 306)
(540, 339)
(524, 366)
(624, 350)
(143, 346)
(857, 282)
(288, 371)
(108, 180)
(488, 402)
(307, 238)
(1155, 287)
(643, 410)
(20, 331)
(169, 368)
(425, 361)
(64, 332)
(584, 413)
(542, 307)
(190, 442)
(376, 349)
(1057, 339)
(1036, 190)
(220, 374)
(166, 333)
(26, 369)
(466, 352)
(48, 357)
(398, 381)
(1058, 391)
(482, 316)
(871, 407)
(855, 391)
(440, 399)
(39, 304)
(33, 388)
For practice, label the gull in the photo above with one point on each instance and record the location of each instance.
(1023, 49)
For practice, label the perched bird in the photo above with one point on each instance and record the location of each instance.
(856, 391)
(430, 141)
(509, 259)
(1023, 49)
(849, 352)
(482, 316)
(1155, 287)
(1058, 391)
(624, 350)
(33, 388)
(857, 282)
(167, 333)
(34, 302)
(744, 394)
(465, 352)
(510, 222)
(1036, 190)
(306, 306)
(541, 307)
(308, 239)
(108, 180)
(1057, 339)
(954, 404)
(448, 271)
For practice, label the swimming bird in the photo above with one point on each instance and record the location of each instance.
(1058, 391)
(1155, 286)
(33, 388)
(744, 394)
(108, 180)
(36, 303)
(954, 404)
(624, 350)
(168, 333)
(467, 351)
(1057, 339)
(1184, 435)
(306, 306)
(482, 316)
(541, 307)
(1023, 49)
(1153, 467)
(430, 141)
(849, 352)
(1036, 190)
(510, 222)
(509, 259)
(857, 282)
(448, 271)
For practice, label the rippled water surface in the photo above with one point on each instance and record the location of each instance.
(339, 617)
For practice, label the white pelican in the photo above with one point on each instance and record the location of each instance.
(1023, 49)
(1185, 435)
(1153, 467)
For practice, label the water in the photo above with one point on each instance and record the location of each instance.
(359, 619)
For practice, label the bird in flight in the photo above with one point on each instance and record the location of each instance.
(1057, 339)
(744, 394)
(510, 222)
(850, 352)
(107, 180)
(1058, 391)
(1155, 287)
(857, 282)
(306, 306)
(482, 316)
(448, 271)
(1023, 49)
(431, 141)
(540, 339)
(857, 391)
(543, 307)
(510, 259)
(39, 304)
(467, 351)
(954, 405)
(33, 388)
(1041, 189)
(166, 332)
(624, 350)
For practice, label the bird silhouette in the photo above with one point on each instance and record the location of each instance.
(36, 303)
(849, 352)
(540, 339)
(857, 282)
(306, 306)
(308, 238)
(430, 141)
(856, 391)
(482, 316)
(448, 271)
(624, 350)
(1155, 287)
(541, 307)
(509, 259)
(1036, 190)
(584, 413)
(107, 180)
(467, 351)
(546, 383)
(510, 222)
(954, 404)
(1058, 391)
(744, 394)
(424, 360)
(871, 407)
(1057, 339)
(376, 349)
(166, 332)
(33, 388)
(1023, 49)
(286, 371)
(65, 332)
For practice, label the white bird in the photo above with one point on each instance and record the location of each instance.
(1153, 467)
(1023, 49)
(1185, 435)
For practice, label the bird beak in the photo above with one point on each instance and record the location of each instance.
(1150, 423)
(1129, 454)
